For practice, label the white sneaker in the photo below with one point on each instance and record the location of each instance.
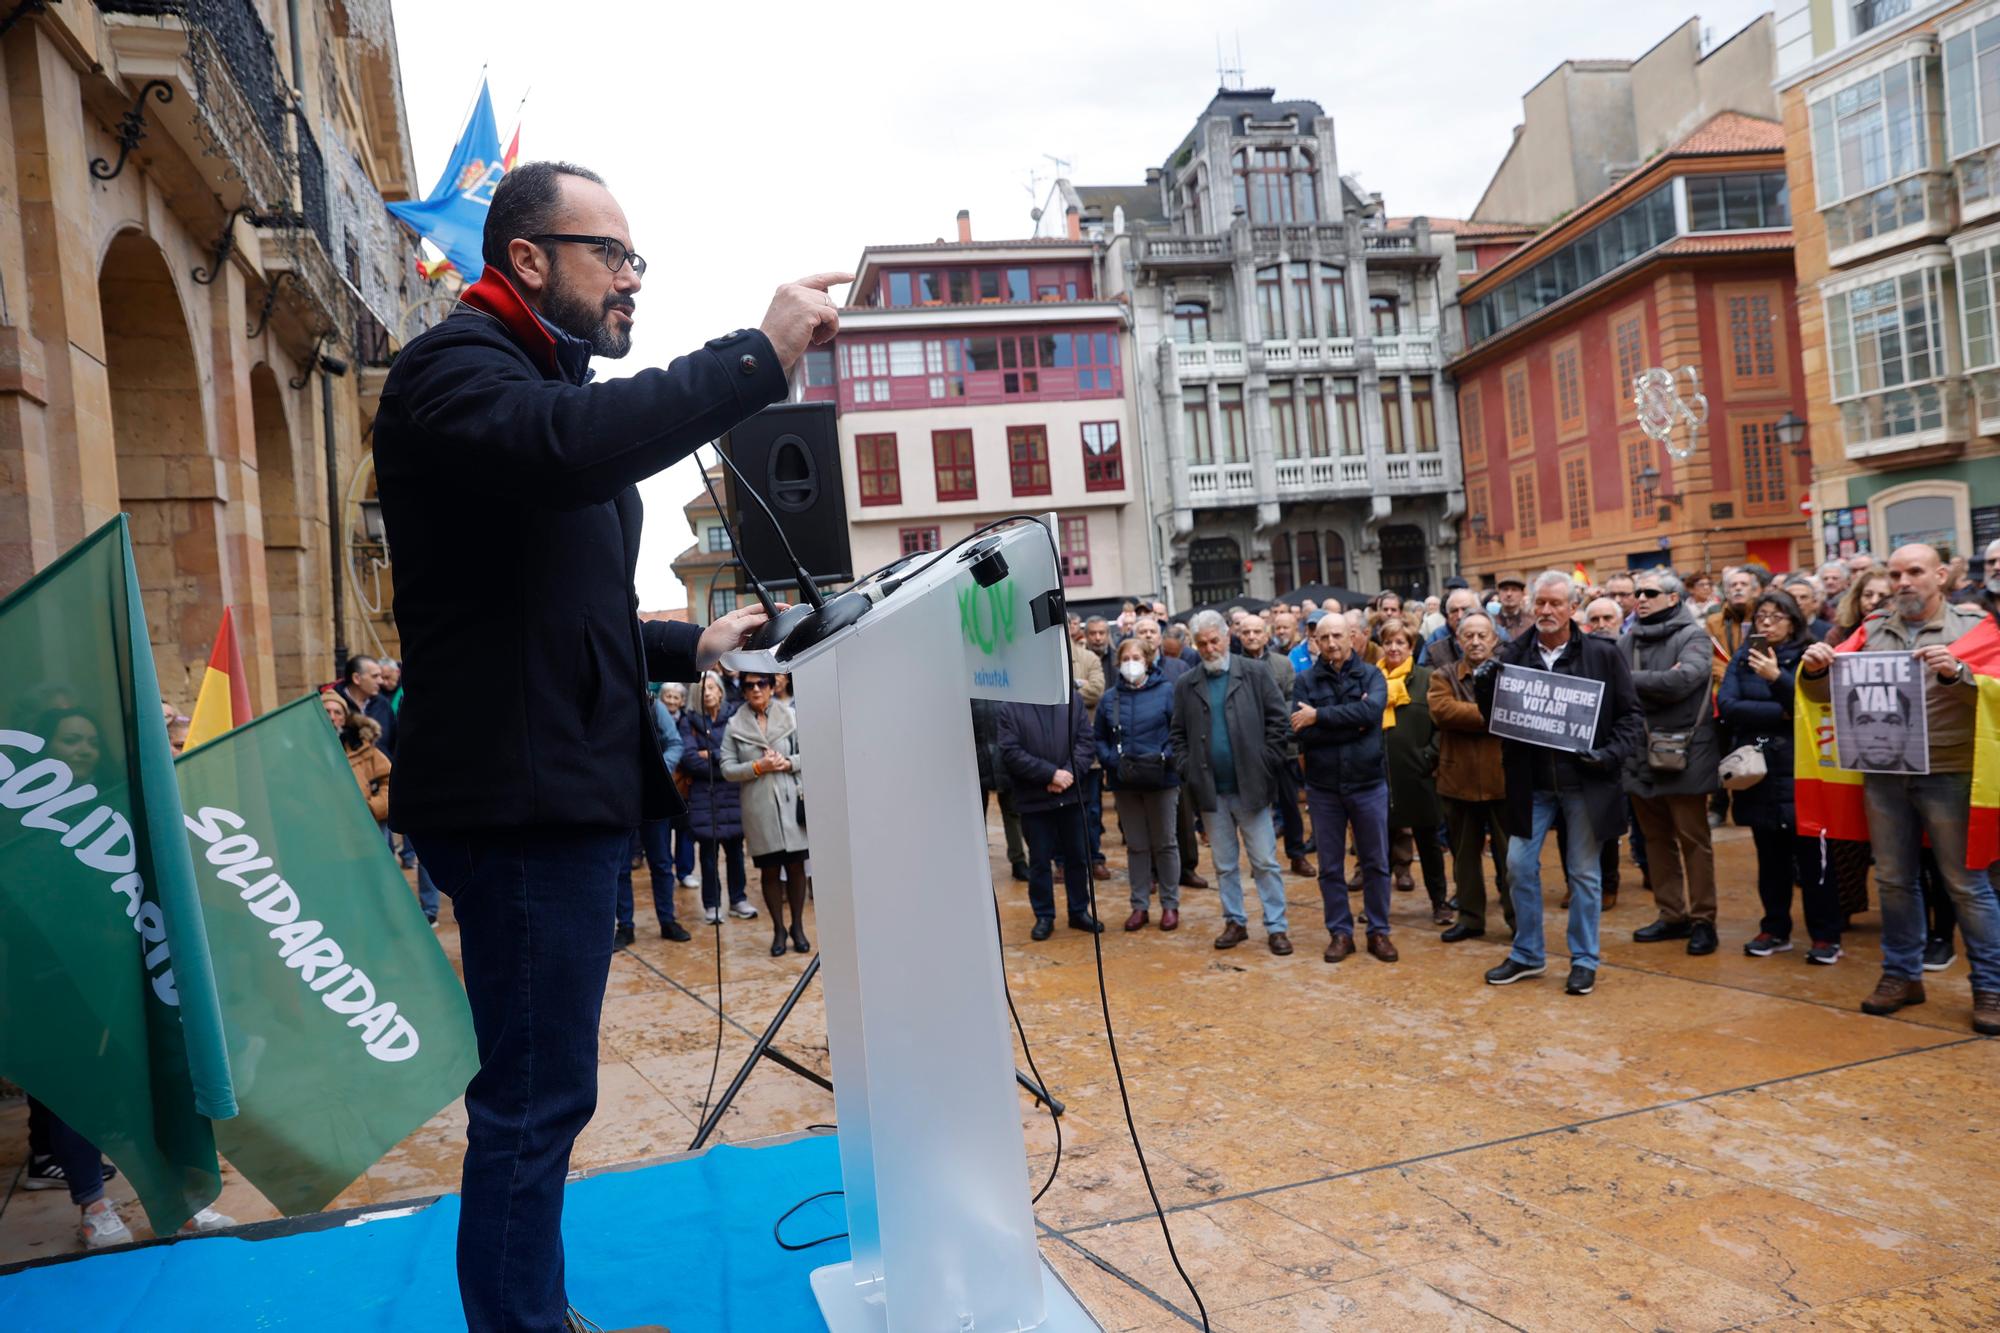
(102, 1227)
(743, 911)
(207, 1220)
(712, 915)
(690, 882)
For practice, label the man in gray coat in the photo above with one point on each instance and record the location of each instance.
(1671, 777)
(1228, 735)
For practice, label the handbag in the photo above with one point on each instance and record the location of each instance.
(1138, 772)
(1743, 766)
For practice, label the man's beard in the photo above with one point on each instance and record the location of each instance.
(1909, 605)
(575, 316)
(1216, 667)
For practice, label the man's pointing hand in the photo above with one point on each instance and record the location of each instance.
(802, 315)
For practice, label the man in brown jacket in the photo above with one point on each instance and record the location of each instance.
(1470, 782)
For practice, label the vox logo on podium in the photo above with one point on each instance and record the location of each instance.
(986, 615)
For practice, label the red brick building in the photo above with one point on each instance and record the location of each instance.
(1685, 262)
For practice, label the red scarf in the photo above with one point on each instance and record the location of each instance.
(494, 295)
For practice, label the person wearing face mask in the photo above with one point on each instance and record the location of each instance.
(1134, 733)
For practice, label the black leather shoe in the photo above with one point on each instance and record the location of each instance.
(1663, 930)
(1461, 931)
(1020, 869)
(1085, 921)
(1044, 927)
(676, 932)
(621, 937)
(1701, 939)
(800, 944)
(778, 943)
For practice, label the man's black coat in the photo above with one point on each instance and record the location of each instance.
(1621, 731)
(508, 491)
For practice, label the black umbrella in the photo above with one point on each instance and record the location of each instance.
(1324, 593)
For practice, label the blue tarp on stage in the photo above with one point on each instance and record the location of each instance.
(687, 1244)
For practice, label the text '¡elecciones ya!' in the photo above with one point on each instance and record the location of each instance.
(303, 945)
(98, 836)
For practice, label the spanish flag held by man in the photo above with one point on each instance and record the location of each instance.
(224, 701)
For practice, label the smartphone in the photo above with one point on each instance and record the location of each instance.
(1757, 643)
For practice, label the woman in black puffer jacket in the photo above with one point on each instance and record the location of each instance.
(715, 806)
(1756, 705)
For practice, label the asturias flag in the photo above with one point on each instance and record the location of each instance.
(347, 1028)
(224, 701)
(108, 1010)
(454, 217)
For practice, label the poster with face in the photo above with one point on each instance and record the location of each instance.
(1879, 723)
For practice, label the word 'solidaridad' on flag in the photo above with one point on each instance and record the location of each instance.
(108, 1010)
(224, 701)
(347, 1027)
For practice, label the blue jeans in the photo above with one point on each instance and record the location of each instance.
(1901, 809)
(711, 872)
(1368, 813)
(1524, 881)
(427, 892)
(652, 837)
(683, 844)
(1233, 816)
(81, 1162)
(532, 906)
(1056, 835)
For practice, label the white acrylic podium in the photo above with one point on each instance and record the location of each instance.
(931, 1149)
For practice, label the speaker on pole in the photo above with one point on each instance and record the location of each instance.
(791, 454)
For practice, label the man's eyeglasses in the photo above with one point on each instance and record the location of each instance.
(609, 248)
(1648, 593)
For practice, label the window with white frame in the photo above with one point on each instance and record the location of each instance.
(1873, 143)
(1972, 107)
(1978, 257)
(1886, 339)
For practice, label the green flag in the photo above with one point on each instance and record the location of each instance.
(346, 1026)
(107, 999)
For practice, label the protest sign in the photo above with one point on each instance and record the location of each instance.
(1879, 722)
(1544, 708)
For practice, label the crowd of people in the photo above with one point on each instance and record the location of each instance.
(1376, 720)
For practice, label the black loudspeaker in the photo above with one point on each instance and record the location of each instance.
(791, 454)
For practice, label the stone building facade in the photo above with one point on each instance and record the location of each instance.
(1294, 423)
(195, 318)
(1892, 145)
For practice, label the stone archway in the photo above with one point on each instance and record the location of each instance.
(168, 478)
(290, 586)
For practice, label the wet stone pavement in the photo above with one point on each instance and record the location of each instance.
(1704, 1143)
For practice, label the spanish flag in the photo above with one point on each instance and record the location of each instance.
(513, 153)
(224, 701)
(431, 271)
(1579, 576)
(1827, 797)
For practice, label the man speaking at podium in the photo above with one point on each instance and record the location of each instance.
(527, 752)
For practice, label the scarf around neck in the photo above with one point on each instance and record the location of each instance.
(1399, 689)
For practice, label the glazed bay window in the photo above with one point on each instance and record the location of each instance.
(1978, 256)
(1738, 203)
(1875, 142)
(1891, 364)
(1972, 108)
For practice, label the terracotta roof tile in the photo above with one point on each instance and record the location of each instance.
(1729, 243)
(1732, 132)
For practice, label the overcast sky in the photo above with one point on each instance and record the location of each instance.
(751, 144)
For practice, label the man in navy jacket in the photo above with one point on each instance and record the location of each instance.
(1046, 749)
(527, 751)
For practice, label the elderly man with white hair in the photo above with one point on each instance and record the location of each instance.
(1228, 733)
(1582, 785)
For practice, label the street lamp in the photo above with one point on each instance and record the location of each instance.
(1478, 522)
(1791, 432)
(1649, 481)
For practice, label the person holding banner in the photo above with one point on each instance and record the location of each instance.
(1906, 808)
(1578, 781)
(509, 489)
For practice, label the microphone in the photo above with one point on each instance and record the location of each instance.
(736, 550)
(806, 584)
(797, 627)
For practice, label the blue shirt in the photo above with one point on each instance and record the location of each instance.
(1302, 659)
(1221, 759)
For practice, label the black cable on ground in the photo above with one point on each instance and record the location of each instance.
(1055, 1121)
(783, 1244)
(1104, 995)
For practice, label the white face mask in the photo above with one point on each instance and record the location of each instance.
(1132, 669)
